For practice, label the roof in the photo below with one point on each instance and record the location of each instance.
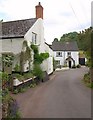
(48, 45)
(64, 46)
(16, 29)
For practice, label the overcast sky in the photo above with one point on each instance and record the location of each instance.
(60, 16)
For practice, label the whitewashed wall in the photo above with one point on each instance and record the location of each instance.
(15, 45)
(39, 30)
(12, 45)
(48, 63)
(74, 55)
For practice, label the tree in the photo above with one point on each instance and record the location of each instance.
(72, 36)
(84, 41)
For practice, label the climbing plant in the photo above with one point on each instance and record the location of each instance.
(7, 60)
(25, 55)
(39, 58)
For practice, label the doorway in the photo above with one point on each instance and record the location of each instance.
(69, 64)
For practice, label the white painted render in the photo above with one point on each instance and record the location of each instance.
(74, 55)
(12, 45)
(15, 46)
(48, 63)
(39, 30)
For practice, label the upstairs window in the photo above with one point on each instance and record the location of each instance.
(34, 38)
(58, 54)
(69, 54)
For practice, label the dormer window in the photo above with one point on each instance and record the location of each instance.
(34, 38)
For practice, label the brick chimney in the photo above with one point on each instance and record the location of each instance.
(39, 11)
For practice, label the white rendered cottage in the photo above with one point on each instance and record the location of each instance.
(14, 33)
(65, 53)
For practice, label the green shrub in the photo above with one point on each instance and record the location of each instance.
(37, 71)
(33, 85)
(78, 66)
(87, 80)
(17, 68)
(87, 77)
(4, 76)
(15, 91)
(18, 76)
(28, 75)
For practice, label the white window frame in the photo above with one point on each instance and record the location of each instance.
(68, 54)
(58, 54)
(34, 38)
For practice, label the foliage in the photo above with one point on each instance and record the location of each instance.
(9, 106)
(7, 59)
(25, 55)
(72, 36)
(28, 75)
(87, 80)
(18, 76)
(56, 39)
(39, 58)
(85, 43)
(17, 68)
(4, 76)
(37, 71)
(35, 49)
(78, 66)
(33, 85)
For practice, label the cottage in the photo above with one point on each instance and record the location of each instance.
(65, 53)
(14, 33)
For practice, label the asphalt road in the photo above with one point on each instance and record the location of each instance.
(63, 96)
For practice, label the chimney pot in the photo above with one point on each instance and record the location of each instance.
(39, 3)
(39, 11)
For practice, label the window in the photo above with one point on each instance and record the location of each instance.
(34, 38)
(58, 54)
(69, 54)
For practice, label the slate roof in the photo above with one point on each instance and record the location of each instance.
(64, 46)
(16, 29)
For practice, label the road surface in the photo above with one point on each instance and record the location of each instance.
(63, 96)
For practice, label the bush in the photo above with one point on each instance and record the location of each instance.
(37, 71)
(87, 80)
(28, 75)
(18, 76)
(4, 76)
(87, 77)
(17, 68)
(78, 66)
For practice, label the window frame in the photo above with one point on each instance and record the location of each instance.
(34, 38)
(58, 55)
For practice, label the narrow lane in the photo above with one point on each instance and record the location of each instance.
(63, 96)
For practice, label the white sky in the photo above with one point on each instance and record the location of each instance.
(60, 16)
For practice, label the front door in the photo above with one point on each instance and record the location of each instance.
(69, 64)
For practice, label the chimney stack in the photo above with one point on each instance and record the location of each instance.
(39, 11)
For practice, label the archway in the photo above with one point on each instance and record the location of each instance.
(71, 61)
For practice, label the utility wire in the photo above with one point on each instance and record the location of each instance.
(75, 15)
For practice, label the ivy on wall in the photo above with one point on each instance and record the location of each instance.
(25, 55)
(38, 58)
